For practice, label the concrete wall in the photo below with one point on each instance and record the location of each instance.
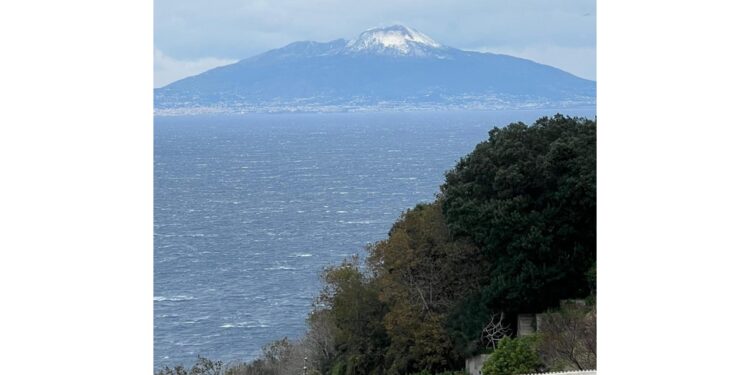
(474, 364)
(526, 324)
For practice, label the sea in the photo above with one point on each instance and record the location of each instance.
(249, 209)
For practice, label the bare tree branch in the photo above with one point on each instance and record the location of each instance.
(495, 330)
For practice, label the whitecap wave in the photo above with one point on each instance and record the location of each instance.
(177, 298)
(245, 325)
(357, 222)
(280, 268)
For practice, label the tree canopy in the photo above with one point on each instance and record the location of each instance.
(527, 198)
(423, 274)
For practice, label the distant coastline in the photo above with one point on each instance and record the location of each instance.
(241, 109)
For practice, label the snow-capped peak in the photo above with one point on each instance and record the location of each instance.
(393, 39)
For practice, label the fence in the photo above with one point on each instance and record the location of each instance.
(584, 372)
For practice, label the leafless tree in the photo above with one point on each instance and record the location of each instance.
(495, 330)
(318, 342)
(568, 337)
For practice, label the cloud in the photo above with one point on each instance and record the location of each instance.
(243, 28)
(168, 69)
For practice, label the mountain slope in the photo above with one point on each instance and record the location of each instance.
(385, 68)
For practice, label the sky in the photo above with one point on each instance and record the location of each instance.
(192, 36)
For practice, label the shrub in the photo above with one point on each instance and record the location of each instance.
(204, 366)
(512, 357)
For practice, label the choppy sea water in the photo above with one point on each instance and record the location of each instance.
(249, 209)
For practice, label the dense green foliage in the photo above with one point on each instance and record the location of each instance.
(527, 198)
(512, 231)
(512, 357)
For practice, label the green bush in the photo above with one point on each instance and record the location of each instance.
(512, 357)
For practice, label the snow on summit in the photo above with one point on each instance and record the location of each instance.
(393, 39)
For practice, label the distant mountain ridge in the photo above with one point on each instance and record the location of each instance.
(391, 68)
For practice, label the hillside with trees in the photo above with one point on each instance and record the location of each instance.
(513, 230)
